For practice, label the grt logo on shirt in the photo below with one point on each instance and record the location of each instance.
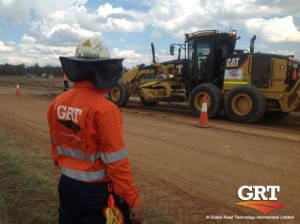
(68, 113)
(68, 116)
(260, 198)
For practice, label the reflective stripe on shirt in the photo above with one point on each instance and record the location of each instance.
(106, 157)
(75, 154)
(84, 175)
(114, 157)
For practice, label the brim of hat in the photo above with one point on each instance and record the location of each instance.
(90, 59)
(103, 74)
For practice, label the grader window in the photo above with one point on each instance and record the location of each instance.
(203, 51)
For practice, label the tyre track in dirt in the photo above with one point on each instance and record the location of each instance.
(184, 171)
(291, 125)
(222, 168)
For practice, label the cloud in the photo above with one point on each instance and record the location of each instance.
(70, 25)
(10, 8)
(30, 9)
(28, 39)
(5, 48)
(284, 52)
(117, 20)
(56, 26)
(29, 52)
(275, 29)
(131, 57)
(42, 55)
(156, 34)
(177, 17)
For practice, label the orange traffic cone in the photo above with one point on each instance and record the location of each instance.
(18, 91)
(203, 120)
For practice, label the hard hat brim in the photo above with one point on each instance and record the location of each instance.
(102, 73)
(82, 59)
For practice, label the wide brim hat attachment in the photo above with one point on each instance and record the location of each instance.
(92, 62)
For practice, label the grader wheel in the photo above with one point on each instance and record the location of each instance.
(119, 95)
(214, 100)
(241, 104)
(245, 104)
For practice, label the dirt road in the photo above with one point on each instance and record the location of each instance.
(187, 172)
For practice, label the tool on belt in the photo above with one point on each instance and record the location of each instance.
(112, 213)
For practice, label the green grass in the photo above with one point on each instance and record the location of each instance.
(25, 196)
(28, 187)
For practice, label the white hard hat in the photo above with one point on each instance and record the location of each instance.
(92, 62)
(92, 48)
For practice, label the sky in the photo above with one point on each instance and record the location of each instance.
(39, 31)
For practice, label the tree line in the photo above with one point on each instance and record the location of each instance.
(33, 70)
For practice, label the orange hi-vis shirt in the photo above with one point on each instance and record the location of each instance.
(87, 139)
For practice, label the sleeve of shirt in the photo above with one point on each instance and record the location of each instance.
(114, 155)
(52, 142)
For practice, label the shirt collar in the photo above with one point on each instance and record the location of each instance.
(88, 84)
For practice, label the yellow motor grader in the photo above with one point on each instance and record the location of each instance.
(245, 85)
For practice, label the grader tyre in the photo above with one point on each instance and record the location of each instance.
(119, 95)
(214, 100)
(245, 104)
